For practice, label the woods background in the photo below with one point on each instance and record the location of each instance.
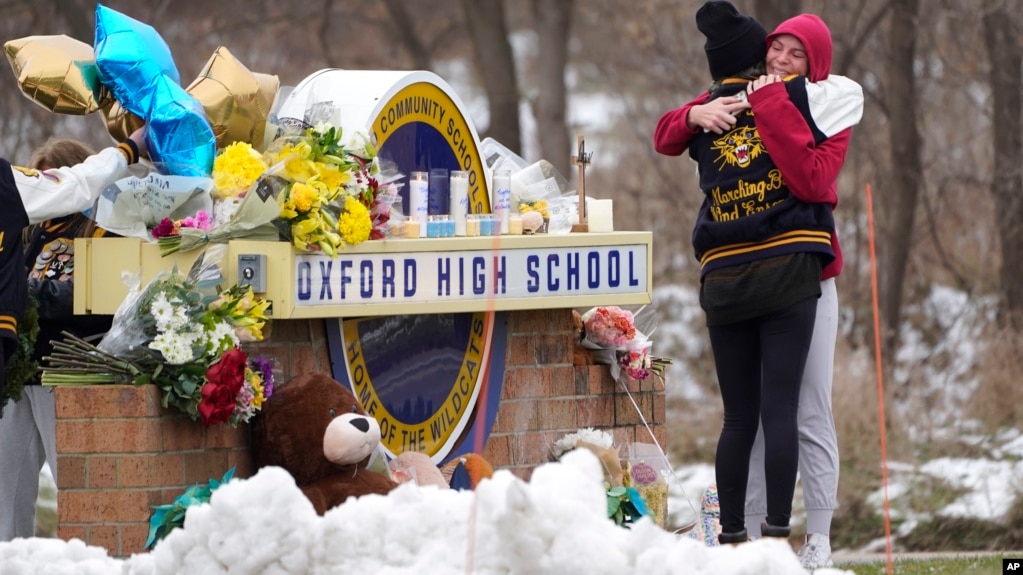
(940, 143)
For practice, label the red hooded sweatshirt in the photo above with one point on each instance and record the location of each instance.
(810, 171)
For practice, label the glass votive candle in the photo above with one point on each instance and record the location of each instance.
(411, 229)
(472, 225)
(442, 225)
(515, 224)
(434, 227)
(486, 225)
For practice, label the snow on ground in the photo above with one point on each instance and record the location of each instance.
(555, 523)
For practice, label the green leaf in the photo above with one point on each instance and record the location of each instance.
(613, 506)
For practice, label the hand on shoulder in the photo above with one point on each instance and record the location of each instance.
(716, 116)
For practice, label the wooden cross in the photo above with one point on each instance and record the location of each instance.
(582, 159)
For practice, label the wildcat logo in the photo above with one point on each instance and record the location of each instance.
(738, 147)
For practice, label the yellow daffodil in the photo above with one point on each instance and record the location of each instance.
(323, 175)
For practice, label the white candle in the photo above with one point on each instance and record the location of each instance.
(600, 216)
(502, 198)
(419, 200)
(459, 189)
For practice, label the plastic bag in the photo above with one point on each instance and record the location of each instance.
(539, 181)
(129, 332)
(386, 212)
(498, 157)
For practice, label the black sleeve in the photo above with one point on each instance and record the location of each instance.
(55, 298)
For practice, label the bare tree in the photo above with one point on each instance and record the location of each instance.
(553, 23)
(1001, 36)
(906, 177)
(770, 13)
(495, 65)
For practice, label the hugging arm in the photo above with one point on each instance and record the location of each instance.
(809, 163)
(672, 134)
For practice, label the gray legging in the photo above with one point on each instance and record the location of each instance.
(818, 442)
(28, 429)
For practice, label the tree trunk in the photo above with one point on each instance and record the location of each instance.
(406, 35)
(1001, 34)
(770, 13)
(495, 65)
(553, 22)
(905, 161)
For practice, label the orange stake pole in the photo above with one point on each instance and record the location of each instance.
(880, 379)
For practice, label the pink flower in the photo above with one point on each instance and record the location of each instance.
(165, 228)
(609, 326)
(201, 221)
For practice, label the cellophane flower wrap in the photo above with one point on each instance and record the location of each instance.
(326, 187)
(244, 205)
(179, 334)
(133, 206)
(385, 209)
(611, 334)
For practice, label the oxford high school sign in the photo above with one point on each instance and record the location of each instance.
(470, 275)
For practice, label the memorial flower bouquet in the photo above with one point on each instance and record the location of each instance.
(326, 188)
(180, 335)
(611, 333)
(243, 205)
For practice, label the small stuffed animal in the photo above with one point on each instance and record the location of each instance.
(313, 427)
(417, 467)
(580, 355)
(466, 471)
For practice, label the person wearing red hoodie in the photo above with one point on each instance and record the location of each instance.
(801, 46)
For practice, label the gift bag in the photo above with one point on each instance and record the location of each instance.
(646, 469)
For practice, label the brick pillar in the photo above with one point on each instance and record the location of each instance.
(299, 344)
(120, 453)
(545, 396)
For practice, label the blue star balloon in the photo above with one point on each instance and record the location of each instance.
(136, 65)
(180, 139)
(130, 57)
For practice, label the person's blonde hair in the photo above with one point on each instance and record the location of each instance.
(62, 153)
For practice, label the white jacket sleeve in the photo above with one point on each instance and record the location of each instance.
(63, 191)
(836, 103)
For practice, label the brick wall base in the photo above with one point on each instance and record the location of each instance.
(120, 453)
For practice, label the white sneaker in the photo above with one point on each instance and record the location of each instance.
(816, 552)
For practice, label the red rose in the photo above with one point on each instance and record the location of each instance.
(224, 380)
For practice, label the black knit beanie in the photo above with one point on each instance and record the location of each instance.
(734, 42)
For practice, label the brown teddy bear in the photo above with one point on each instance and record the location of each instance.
(313, 427)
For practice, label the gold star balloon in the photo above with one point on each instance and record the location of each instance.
(59, 73)
(237, 101)
(120, 122)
